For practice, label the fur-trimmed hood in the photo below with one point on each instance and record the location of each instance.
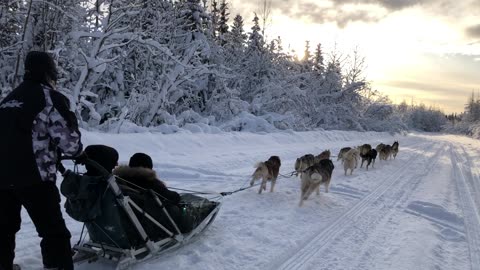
(146, 178)
(127, 173)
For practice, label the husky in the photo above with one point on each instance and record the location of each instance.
(324, 155)
(386, 152)
(369, 157)
(342, 153)
(395, 149)
(314, 176)
(304, 162)
(363, 149)
(380, 147)
(350, 160)
(267, 170)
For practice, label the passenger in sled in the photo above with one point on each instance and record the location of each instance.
(131, 210)
(140, 174)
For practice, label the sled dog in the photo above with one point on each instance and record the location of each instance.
(267, 170)
(380, 147)
(304, 162)
(395, 149)
(386, 152)
(350, 160)
(324, 155)
(363, 149)
(314, 176)
(342, 152)
(369, 157)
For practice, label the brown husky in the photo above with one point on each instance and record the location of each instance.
(267, 170)
(324, 155)
(314, 176)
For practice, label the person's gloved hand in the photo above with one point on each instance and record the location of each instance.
(60, 167)
(81, 159)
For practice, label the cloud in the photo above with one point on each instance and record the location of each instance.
(340, 16)
(325, 12)
(391, 5)
(473, 31)
(344, 12)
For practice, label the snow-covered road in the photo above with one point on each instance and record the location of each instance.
(419, 211)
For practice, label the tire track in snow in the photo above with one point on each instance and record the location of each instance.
(463, 175)
(297, 258)
(401, 195)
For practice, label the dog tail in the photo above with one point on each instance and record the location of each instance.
(258, 173)
(258, 165)
(317, 177)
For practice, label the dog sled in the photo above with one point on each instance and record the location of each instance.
(127, 226)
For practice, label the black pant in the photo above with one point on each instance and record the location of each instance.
(42, 203)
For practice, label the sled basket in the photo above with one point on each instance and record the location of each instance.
(125, 225)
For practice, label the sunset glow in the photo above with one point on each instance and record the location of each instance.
(421, 51)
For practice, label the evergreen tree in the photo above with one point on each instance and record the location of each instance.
(333, 76)
(237, 34)
(214, 15)
(306, 56)
(255, 40)
(318, 65)
(223, 22)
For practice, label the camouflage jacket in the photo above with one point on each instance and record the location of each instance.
(38, 125)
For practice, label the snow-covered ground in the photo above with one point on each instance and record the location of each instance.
(419, 211)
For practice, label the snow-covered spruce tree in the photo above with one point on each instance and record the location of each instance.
(318, 65)
(333, 76)
(233, 53)
(11, 23)
(223, 22)
(237, 35)
(306, 62)
(472, 109)
(256, 64)
(214, 18)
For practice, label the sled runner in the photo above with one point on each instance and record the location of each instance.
(128, 225)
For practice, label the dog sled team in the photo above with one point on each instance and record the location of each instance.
(315, 171)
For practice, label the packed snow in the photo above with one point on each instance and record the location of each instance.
(418, 211)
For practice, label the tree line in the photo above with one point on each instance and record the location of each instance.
(167, 62)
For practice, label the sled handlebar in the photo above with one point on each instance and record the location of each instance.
(88, 163)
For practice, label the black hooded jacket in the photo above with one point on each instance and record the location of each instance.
(36, 126)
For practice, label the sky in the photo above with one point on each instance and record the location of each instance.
(421, 51)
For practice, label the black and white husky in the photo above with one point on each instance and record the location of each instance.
(314, 176)
(369, 157)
